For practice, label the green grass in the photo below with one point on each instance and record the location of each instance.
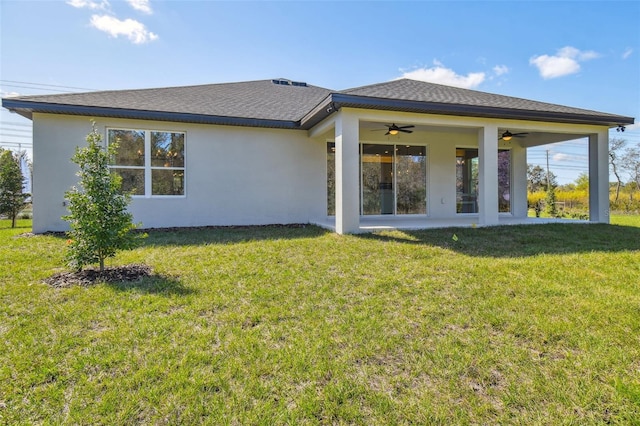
(508, 325)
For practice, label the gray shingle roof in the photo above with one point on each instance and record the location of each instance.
(259, 100)
(419, 91)
(266, 104)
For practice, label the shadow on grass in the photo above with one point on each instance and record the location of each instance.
(521, 240)
(228, 234)
(153, 284)
(133, 277)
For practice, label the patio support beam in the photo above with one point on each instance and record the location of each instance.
(488, 175)
(599, 177)
(347, 181)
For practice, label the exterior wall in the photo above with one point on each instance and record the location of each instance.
(233, 175)
(255, 176)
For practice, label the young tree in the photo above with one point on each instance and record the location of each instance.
(537, 178)
(582, 182)
(615, 152)
(12, 199)
(550, 202)
(631, 164)
(98, 217)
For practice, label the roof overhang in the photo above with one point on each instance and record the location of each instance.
(27, 108)
(335, 101)
(329, 105)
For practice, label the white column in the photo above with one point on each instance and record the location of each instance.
(599, 177)
(347, 179)
(519, 206)
(488, 175)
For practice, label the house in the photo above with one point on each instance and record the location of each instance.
(280, 151)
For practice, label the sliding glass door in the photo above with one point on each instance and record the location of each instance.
(393, 179)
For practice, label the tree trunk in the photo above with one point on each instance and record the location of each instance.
(615, 172)
(101, 264)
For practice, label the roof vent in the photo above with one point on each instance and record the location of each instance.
(285, 82)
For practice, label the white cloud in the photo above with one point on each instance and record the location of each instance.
(441, 75)
(500, 70)
(566, 61)
(88, 4)
(571, 158)
(140, 5)
(135, 31)
(10, 94)
(627, 53)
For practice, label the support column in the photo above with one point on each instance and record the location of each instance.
(519, 206)
(347, 170)
(488, 175)
(599, 177)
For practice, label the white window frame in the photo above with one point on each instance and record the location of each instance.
(148, 168)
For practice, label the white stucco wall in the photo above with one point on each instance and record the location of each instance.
(233, 176)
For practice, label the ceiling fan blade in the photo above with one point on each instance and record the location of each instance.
(401, 129)
(520, 135)
(388, 132)
(411, 126)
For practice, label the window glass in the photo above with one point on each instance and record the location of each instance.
(331, 179)
(167, 182)
(130, 147)
(411, 179)
(377, 179)
(504, 181)
(132, 180)
(167, 149)
(149, 162)
(466, 180)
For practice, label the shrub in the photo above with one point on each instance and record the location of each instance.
(98, 217)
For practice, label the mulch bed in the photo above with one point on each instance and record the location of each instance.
(90, 276)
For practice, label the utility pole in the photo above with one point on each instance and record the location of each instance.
(548, 180)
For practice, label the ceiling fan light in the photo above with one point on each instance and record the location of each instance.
(393, 131)
(507, 136)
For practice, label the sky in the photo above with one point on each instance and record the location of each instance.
(583, 54)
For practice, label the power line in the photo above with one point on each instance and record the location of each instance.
(44, 84)
(13, 123)
(15, 136)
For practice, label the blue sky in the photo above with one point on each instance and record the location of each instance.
(579, 53)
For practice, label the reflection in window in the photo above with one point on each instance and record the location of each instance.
(411, 179)
(149, 162)
(504, 181)
(331, 179)
(466, 180)
(394, 179)
(467, 169)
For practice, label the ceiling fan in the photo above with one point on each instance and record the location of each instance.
(393, 129)
(507, 135)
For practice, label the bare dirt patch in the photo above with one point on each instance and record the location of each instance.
(90, 276)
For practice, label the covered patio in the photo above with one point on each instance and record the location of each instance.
(461, 156)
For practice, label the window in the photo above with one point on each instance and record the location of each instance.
(150, 163)
(393, 179)
(467, 180)
(331, 179)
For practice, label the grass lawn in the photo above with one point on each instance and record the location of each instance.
(508, 325)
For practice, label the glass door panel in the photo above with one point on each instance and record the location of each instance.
(411, 179)
(377, 179)
(466, 180)
(504, 181)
